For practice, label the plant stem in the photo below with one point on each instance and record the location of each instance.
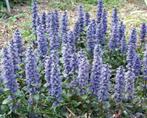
(8, 6)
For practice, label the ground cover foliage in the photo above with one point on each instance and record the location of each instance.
(90, 70)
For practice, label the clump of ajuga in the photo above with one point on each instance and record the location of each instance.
(75, 64)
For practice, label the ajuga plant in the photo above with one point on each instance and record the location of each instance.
(88, 70)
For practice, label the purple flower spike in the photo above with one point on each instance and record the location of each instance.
(42, 42)
(54, 36)
(68, 50)
(81, 18)
(99, 11)
(100, 35)
(83, 73)
(143, 32)
(64, 23)
(96, 71)
(87, 18)
(48, 24)
(115, 19)
(91, 33)
(137, 65)
(15, 57)
(8, 74)
(113, 43)
(133, 38)
(34, 15)
(77, 30)
(18, 42)
(104, 83)
(119, 85)
(123, 45)
(56, 22)
(32, 75)
(38, 22)
(56, 80)
(64, 28)
(43, 20)
(121, 32)
(130, 56)
(145, 64)
(129, 89)
(104, 22)
(48, 66)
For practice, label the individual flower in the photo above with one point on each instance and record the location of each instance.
(143, 32)
(133, 38)
(87, 18)
(119, 84)
(32, 75)
(8, 74)
(99, 11)
(103, 94)
(96, 71)
(91, 35)
(34, 15)
(129, 87)
(42, 42)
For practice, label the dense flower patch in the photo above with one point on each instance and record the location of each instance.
(84, 71)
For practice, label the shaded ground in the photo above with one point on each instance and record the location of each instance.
(131, 14)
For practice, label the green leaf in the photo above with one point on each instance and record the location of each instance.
(36, 97)
(6, 101)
